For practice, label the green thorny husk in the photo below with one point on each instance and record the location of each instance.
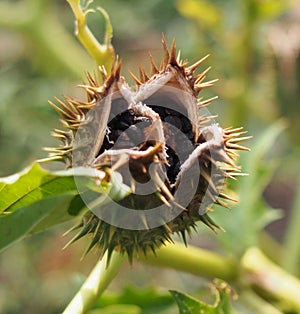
(168, 95)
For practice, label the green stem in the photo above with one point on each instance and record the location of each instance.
(102, 54)
(292, 247)
(95, 284)
(194, 261)
(271, 280)
(257, 304)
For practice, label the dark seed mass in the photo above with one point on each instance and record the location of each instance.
(127, 130)
(175, 121)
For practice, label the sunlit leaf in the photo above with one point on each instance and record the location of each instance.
(31, 185)
(70, 210)
(190, 305)
(17, 224)
(35, 199)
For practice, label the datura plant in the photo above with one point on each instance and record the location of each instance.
(155, 146)
(144, 162)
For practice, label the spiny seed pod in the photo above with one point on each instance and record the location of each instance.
(169, 158)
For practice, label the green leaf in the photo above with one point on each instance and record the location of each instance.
(31, 185)
(190, 305)
(35, 199)
(73, 207)
(17, 224)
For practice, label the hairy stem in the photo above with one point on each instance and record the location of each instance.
(194, 261)
(95, 284)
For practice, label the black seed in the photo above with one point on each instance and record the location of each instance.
(173, 172)
(170, 159)
(190, 135)
(122, 121)
(122, 125)
(201, 139)
(127, 117)
(186, 124)
(175, 121)
(160, 110)
(114, 135)
(177, 113)
(173, 166)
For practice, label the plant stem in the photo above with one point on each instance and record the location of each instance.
(292, 247)
(102, 54)
(272, 280)
(95, 284)
(257, 304)
(195, 261)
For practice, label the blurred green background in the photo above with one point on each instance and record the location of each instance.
(254, 47)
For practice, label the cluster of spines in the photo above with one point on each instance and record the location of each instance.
(73, 113)
(172, 59)
(131, 242)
